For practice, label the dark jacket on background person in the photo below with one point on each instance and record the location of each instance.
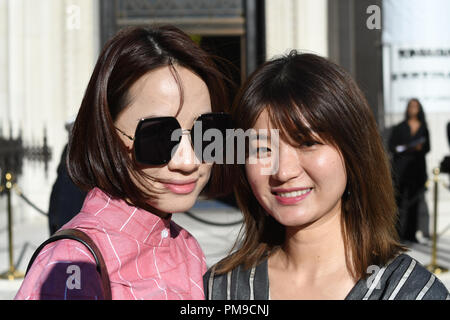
(66, 198)
(410, 165)
(410, 175)
(448, 132)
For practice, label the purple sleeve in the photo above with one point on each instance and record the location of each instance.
(64, 270)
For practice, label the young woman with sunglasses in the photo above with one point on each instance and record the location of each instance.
(131, 148)
(322, 225)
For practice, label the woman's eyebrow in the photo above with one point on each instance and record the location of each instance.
(148, 117)
(156, 115)
(260, 136)
(263, 135)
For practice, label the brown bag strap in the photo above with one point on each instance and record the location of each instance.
(80, 236)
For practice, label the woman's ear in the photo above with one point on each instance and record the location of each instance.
(125, 144)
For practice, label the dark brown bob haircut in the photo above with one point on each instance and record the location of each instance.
(304, 95)
(97, 157)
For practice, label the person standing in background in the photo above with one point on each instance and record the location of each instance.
(409, 143)
(448, 132)
(66, 199)
(445, 163)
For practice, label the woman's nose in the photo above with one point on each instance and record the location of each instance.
(289, 165)
(184, 158)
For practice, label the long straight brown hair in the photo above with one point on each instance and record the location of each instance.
(304, 93)
(96, 155)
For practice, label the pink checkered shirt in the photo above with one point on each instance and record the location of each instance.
(147, 257)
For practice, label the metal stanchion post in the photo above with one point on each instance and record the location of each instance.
(12, 273)
(433, 266)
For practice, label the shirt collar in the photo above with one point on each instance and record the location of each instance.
(124, 218)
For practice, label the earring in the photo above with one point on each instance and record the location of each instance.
(347, 192)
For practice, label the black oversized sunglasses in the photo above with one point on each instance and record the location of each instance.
(156, 139)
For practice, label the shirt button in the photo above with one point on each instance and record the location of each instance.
(164, 233)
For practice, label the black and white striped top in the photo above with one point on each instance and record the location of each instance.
(402, 279)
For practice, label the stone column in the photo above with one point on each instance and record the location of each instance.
(296, 24)
(52, 46)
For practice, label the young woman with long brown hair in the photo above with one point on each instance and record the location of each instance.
(131, 149)
(322, 225)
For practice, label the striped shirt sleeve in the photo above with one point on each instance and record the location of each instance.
(402, 279)
(238, 284)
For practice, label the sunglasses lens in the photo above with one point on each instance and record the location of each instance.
(153, 140)
(209, 136)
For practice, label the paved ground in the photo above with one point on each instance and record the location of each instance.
(216, 241)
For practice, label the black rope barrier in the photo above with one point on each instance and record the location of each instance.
(189, 214)
(29, 202)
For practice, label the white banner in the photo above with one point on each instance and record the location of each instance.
(416, 54)
(420, 72)
(416, 22)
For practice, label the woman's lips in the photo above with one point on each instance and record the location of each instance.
(292, 196)
(181, 187)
